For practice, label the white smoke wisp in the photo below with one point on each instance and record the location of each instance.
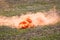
(30, 20)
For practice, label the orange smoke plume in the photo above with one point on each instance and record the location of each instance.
(30, 20)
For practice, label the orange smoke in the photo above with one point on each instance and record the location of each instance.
(30, 20)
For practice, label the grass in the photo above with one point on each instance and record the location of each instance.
(39, 33)
(18, 7)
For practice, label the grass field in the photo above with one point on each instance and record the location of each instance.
(39, 33)
(18, 7)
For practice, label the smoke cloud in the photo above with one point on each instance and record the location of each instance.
(31, 19)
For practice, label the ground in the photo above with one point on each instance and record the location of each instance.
(17, 7)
